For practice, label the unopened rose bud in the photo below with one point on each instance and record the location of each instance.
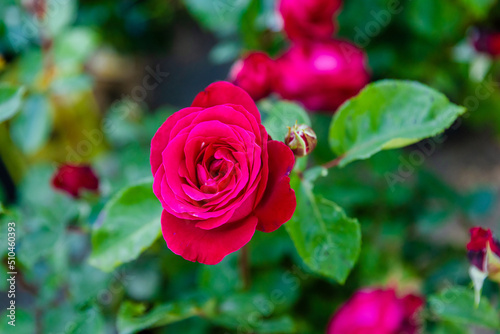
(301, 139)
(483, 252)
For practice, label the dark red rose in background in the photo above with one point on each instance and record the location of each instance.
(309, 19)
(321, 75)
(254, 74)
(377, 311)
(219, 176)
(487, 41)
(74, 179)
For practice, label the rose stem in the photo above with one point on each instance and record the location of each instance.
(244, 268)
(334, 162)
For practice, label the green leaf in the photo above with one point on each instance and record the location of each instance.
(34, 119)
(480, 8)
(437, 21)
(59, 15)
(73, 48)
(220, 279)
(131, 224)
(132, 317)
(389, 114)
(449, 328)
(280, 115)
(327, 240)
(88, 321)
(220, 16)
(10, 101)
(251, 313)
(457, 306)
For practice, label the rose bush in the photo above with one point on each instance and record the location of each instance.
(321, 75)
(255, 74)
(219, 176)
(377, 311)
(74, 179)
(309, 19)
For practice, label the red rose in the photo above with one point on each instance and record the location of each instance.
(309, 19)
(219, 176)
(321, 75)
(377, 312)
(74, 179)
(254, 73)
(487, 41)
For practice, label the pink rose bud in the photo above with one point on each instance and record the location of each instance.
(309, 19)
(74, 179)
(321, 75)
(483, 252)
(219, 176)
(487, 41)
(301, 139)
(254, 73)
(377, 311)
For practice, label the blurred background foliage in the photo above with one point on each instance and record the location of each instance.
(75, 70)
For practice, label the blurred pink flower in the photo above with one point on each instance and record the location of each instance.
(254, 73)
(321, 75)
(309, 19)
(377, 311)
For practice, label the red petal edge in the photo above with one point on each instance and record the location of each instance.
(278, 202)
(223, 92)
(205, 246)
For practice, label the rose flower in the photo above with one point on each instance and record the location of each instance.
(74, 179)
(254, 74)
(377, 311)
(309, 19)
(219, 176)
(321, 75)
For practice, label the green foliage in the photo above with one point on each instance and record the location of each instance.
(10, 101)
(278, 116)
(436, 20)
(220, 16)
(24, 321)
(389, 114)
(131, 222)
(480, 8)
(132, 317)
(327, 240)
(251, 312)
(97, 264)
(34, 119)
(457, 306)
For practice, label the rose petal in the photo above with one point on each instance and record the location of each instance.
(162, 136)
(278, 202)
(205, 246)
(223, 92)
(479, 239)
